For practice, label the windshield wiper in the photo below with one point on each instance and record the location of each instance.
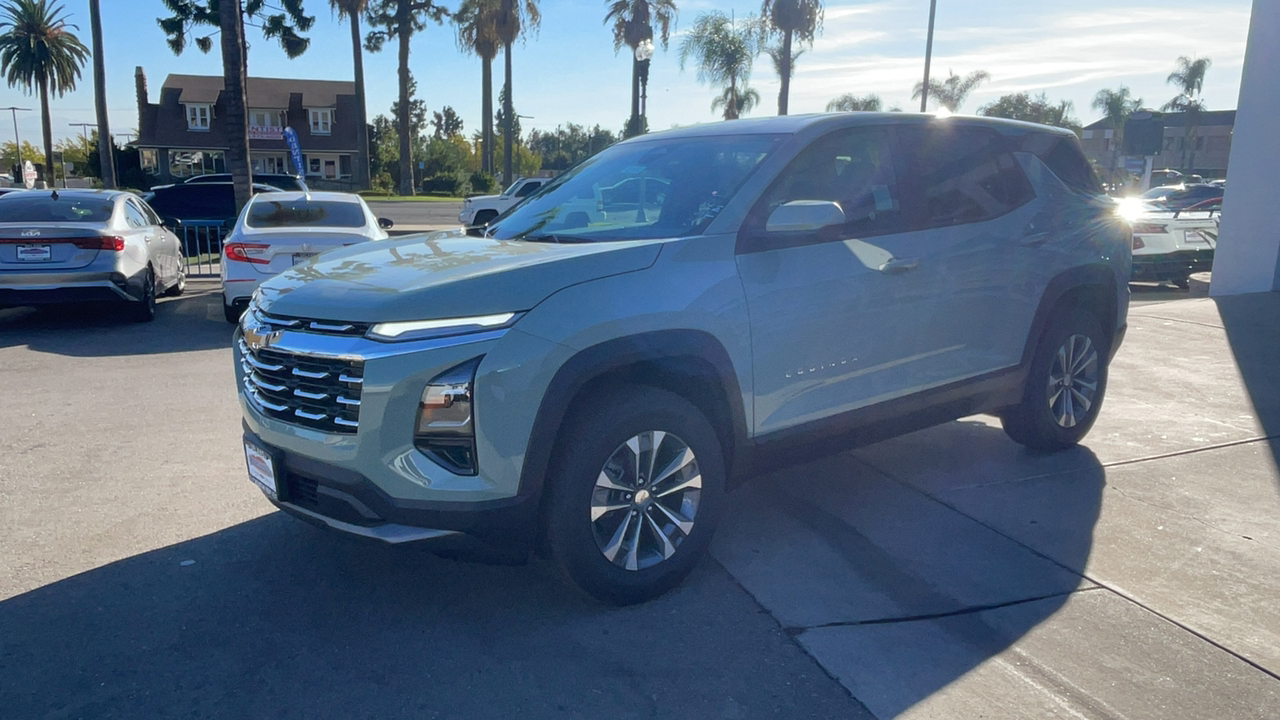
(556, 239)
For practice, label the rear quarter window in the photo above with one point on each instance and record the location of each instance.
(1066, 159)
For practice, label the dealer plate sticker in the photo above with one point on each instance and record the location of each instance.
(34, 253)
(262, 470)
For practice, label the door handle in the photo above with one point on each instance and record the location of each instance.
(1034, 239)
(897, 266)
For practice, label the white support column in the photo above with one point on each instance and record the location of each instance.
(1248, 255)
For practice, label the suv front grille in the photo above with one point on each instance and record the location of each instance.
(324, 327)
(315, 392)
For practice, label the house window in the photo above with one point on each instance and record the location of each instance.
(189, 163)
(313, 166)
(344, 166)
(198, 117)
(1088, 134)
(149, 160)
(321, 121)
(264, 118)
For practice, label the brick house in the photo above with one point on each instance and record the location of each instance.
(180, 135)
(1212, 144)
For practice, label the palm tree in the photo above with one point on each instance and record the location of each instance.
(724, 51)
(1116, 106)
(514, 19)
(794, 20)
(477, 34)
(952, 92)
(736, 102)
(39, 53)
(633, 22)
(399, 20)
(106, 162)
(352, 10)
(849, 102)
(1189, 79)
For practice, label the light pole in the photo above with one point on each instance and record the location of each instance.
(84, 132)
(928, 55)
(644, 54)
(17, 141)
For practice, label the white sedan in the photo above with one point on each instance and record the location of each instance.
(276, 231)
(1170, 245)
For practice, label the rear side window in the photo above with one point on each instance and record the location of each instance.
(134, 216)
(265, 213)
(1064, 157)
(961, 175)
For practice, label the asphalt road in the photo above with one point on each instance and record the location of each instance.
(143, 576)
(418, 215)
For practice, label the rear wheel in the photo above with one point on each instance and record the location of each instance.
(144, 310)
(1182, 282)
(180, 286)
(484, 217)
(635, 494)
(1066, 385)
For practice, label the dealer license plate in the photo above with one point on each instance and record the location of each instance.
(262, 468)
(299, 258)
(35, 253)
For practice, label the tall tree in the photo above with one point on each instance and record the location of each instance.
(446, 123)
(736, 102)
(1033, 108)
(849, 102)
(724, 51)
(1189, 79)
(1116, 106)
(793, 20)
(280, 23)
(633, 23)
(954, 90)
(515, 19)
(352, 10)
(478, 35)
(398, 20)
(39, 53)
(105, 156)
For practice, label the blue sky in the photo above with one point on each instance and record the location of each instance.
(569, 72)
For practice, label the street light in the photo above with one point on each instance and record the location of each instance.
(928, 55)
(644, 54)
(17, 140)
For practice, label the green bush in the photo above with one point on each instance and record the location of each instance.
(455, 184)
(483, 183)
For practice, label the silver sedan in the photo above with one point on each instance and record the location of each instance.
(86, 246)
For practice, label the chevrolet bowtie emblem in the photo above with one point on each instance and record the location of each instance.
(258, 337)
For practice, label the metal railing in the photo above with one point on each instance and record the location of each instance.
(202, 246)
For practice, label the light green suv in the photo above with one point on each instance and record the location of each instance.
(772, 289)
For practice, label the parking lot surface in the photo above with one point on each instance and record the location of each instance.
(946, 574)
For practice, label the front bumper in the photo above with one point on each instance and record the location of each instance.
(1171, 266)
(340, 499)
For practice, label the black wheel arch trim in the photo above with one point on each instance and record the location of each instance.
(1096, 277)
(689, 349)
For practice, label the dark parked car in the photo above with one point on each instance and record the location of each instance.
(1179, 197)
(199, 205)
(283, 181)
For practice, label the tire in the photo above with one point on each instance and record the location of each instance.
(232, 313)
(593, 475)
(1182, 282)
(1049, 417)
(483, 218)
(180, 286)
(144, 310)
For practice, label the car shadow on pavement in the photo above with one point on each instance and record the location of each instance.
(1252, 323)
(886, 564)
(272, 618)
(183, 324)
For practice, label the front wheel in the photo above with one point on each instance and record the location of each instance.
(636, 489)
(1065, 388)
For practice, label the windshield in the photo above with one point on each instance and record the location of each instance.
(640, 191)
(303, 213)
(42, 207)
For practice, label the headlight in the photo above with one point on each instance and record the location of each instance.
(425, 329)
(445, 430)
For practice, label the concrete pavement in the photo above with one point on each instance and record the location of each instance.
(946, 574)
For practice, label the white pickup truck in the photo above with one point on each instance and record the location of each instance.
(479, 210)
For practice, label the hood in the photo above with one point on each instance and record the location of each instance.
(480, 198)
(443, 275)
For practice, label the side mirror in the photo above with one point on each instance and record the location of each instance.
(805, 216)
(172, 223)
(385, 224)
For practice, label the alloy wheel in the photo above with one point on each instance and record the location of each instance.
(645, 500)
(1073, 381)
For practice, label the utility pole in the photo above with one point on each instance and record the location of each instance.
(928, 55)
(84, 133)
(17, 141)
